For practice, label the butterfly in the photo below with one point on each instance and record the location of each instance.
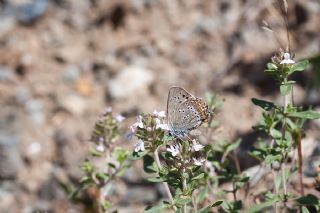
(185, 112)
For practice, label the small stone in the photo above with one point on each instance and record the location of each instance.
(35, 110)
(72, 73)
(7, 198)
(22, 94)
(31, 11)
(10, 158)
(130, 81)
(34, 148)
(7, 23)
(75, 104)
(6, 74)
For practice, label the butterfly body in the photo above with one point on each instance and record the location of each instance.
(185, 112)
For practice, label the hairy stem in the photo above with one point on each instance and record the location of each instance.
(184, 185)
(300, 162)
(166, 186)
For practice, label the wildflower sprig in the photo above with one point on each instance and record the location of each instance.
(284, 126)
(178, 163)
(98, 177)
(281, 67)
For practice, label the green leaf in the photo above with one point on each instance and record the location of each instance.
(275, 133)
(304, 210)
(94, 153)
(200, 176)
(182, 201)
(259, 207)
(300, 66)
(233, 146)
(154, 209)
(156, 179)
(271, 66)
(309, 199)
(285, 89)
(309, 114)
(266, 105)
(208, 208)
(137, 155)
(149, 165)
(271, 158)
(102, 176)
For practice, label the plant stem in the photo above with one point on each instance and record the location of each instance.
(283, 177)
(273, 172)
(166, 186)
(300, 163)
(184, 185)
(236, 160)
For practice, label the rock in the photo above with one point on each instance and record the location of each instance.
(30, 11)
(7, 197)
(22, 94)
(35, 110)
(6, 74)
(7, 23)
(71, 73)
(10, 159)
(130, 81)
(50, 190)
(75, 104)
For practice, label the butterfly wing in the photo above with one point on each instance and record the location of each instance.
(182, 111)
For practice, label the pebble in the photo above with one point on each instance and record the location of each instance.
(71, 73)
(35, 110)
(7, 198)
(129, 81)
(31, 11)
(6, 74)
(22, 94)
(10, 159)
(75, 104)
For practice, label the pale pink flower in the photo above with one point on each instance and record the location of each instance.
(162, 126)
(198, 162)
(100, 147)
(138, 123)
(120, 118)
(160, 114)
(139, 146)
(287, 59)
(196, 146)
(174, 150)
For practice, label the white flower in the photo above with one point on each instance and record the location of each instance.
(196, 146)
(174, 150)
(100, 147)
(138, 123)
(210, 168)
(139, 146)
(160, 114)
(107, 110)
(198, 162)
(287, 59)
(120, 118)
(159, 125)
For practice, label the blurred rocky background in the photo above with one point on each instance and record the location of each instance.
(63, 61)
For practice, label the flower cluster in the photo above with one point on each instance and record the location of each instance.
(106, 130)
(150, 130)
